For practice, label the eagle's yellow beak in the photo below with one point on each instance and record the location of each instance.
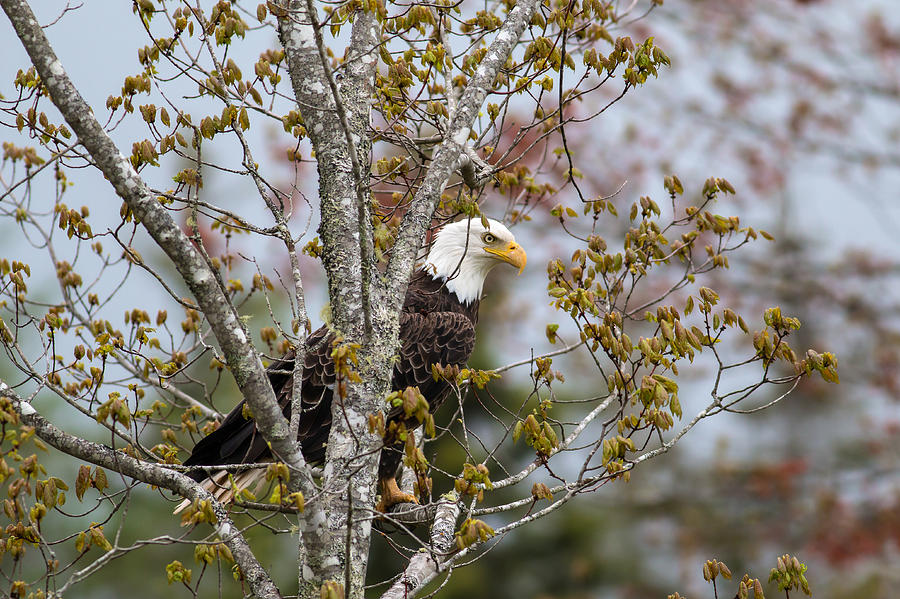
(511, 254)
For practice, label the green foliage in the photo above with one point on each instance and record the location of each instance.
(472, 531)
(596, 292)
(176, 572)
(790, 575)
(541, 491)
(538, 430)
(278, 474)
(332, 590)
(198, 512)
(87, 479)
(92, 537)
(473, 481)
(207, 554)
(479, 378)
(414, 407)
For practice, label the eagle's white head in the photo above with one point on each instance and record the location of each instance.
(465, 251)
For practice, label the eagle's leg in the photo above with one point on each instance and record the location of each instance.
(391, 495)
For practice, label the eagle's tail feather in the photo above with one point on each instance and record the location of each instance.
(223, 491)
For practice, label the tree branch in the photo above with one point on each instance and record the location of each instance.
(152, 474)
(336, 116)
(243, 360)
(446, 158)
(590, 417)
(424, 565)
(336, 120)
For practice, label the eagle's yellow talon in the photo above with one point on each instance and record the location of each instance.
(391, 495)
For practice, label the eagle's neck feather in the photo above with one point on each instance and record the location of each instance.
(462, 269)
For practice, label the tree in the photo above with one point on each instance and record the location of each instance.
(426, 113)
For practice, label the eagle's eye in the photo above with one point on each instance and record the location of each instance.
(488, 238)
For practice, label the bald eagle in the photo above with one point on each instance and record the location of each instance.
(437, 326)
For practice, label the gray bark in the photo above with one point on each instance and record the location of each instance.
(424, 565)
(336, 541)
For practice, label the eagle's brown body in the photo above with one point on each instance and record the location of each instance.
(435, 328)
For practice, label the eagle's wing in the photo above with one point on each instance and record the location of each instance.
(237, 441)
(445, 338)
